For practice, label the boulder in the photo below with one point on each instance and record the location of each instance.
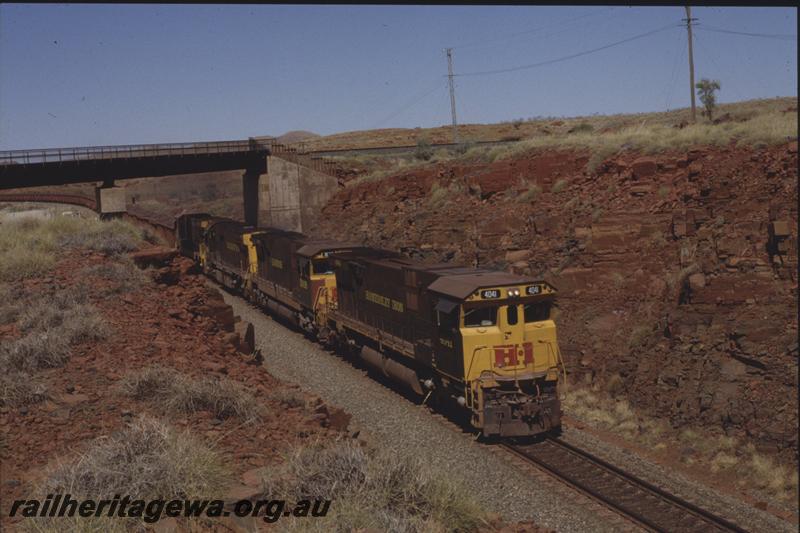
(514, 256)
(644, 167)
(697, 280)
(695, 168)
(158, 256)
(247, 336)
(220, 312)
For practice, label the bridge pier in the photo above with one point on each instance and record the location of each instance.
(255, 196)
(110, 199)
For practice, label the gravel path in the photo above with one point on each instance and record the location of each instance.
(723, 505)
(508, 487)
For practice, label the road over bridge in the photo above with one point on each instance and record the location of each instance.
(297, 177)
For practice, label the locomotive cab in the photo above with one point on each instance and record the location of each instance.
(505, 338)
(316, 286)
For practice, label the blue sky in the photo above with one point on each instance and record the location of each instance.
(73, 75)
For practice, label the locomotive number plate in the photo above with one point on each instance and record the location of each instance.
(489, 294)
(533, 289)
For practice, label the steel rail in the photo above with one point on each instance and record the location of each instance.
(641, 510)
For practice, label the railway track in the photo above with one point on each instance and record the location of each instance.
(636, 499)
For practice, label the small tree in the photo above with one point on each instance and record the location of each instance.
(424, 149)
(705, 90)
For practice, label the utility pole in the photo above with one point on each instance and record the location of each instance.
(689, 20)
(452, 93)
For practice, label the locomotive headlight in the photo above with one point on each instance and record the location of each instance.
(513, 292)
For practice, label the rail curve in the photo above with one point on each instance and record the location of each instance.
(638, 500)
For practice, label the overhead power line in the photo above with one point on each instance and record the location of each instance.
(779, 36)
(527, 32)
(571, 56)
(414, 101)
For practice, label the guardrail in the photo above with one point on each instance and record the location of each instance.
(94, 153)
(87, 153)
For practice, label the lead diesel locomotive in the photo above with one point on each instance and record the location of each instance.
(480, 341)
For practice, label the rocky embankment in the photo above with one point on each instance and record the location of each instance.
(676, 272)
(169, 320)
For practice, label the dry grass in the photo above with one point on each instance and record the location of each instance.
(372, 491)
(537, 126)
(700, 447)
(147, 460)
(769, 128)
(124, 275)
(50, 323)
(28, 247)
(639, 336)
(752, 123)
(559, 185)
(532, 192)
(289, 397)
(175, 392)
(18, 389)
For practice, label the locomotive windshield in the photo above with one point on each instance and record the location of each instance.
(537, 312)
(323, 266)
(480, 317)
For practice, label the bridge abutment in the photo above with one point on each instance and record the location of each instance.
(295, 194)
(109, 199)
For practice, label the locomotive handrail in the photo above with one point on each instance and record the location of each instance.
(472, 359)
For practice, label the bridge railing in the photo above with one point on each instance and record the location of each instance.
(86, 153)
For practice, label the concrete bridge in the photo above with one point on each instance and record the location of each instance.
(294, 187)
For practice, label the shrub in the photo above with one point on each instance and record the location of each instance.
(114, 237)
(289, 397)
(125, 275)
(177, 393)
(530, 194)
(21, 262)
(34, 351)
(28, 247)
(146, 460)
(20, 388)
(12, 301)
(438, 194)
(583, 127)
(560, 185)
(614, 386)
(374, 491)
(639, 336)
(424, 149)
(50, 323)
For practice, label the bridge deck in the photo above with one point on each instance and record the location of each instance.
(55, 166)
